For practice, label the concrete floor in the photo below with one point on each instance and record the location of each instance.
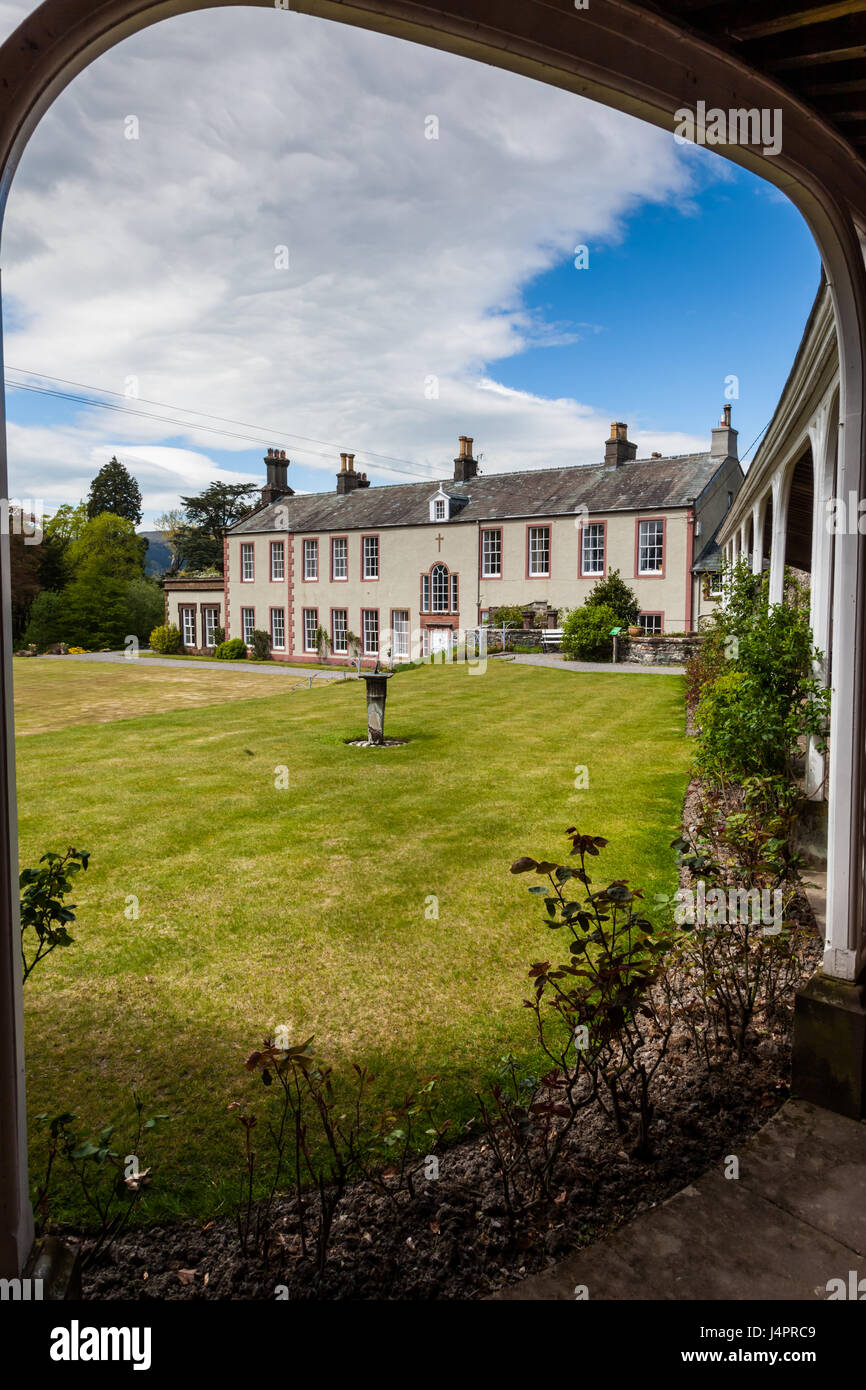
(794, 1219)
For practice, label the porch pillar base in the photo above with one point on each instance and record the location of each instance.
(829, 1046)
(58, 1266)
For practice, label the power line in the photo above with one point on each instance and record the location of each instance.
(404, 465)
(755, 440)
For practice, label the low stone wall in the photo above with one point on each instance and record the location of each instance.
(659, 651)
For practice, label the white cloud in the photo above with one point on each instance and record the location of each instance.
(155, 257)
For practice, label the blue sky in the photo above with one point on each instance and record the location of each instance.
(148, 266)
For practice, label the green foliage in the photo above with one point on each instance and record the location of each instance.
(145, 606)
(65, 526)
(586, 632)
(198, 541)
(94, 612)
(219, 636)
(509, 613)
(165, 639)
(323, 643)
(235, 650)
(44, 912)
(111, 1181)
(595, 1016)
(115, 490)
(754, 716)
(45, 625)
(613, 593)
(745, 957)
(261, 645)
(106, 548)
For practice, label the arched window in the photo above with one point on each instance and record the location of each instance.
(440, 588)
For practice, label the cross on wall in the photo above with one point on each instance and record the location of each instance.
(440, 539)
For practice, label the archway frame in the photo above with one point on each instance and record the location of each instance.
(614, 52)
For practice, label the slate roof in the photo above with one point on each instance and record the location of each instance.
(640, 485)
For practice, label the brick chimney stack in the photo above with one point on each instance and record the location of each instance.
(276, 473)
(347, 478)
(465, 466)
(619, 448)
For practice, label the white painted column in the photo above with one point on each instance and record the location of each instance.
(16, 1216)
(823, 434)
(781, 492)
(758, 511)
(845, 940)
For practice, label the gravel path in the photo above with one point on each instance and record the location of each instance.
(621, 668)
(276, 668)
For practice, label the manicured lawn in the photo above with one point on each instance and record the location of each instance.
(51, 693)
(312, 905)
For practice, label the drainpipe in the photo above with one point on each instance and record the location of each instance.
(690, 559)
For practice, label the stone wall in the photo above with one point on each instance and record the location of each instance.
(659, 651)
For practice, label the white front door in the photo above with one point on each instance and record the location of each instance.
(439, 639)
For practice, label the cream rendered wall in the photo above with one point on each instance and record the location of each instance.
(260, 594)
(405, 552)
(565, 589)
(193, 598)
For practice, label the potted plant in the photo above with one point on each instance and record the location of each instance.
(635, 630)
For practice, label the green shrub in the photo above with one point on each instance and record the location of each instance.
(613, 592)
(165, 639)
(261, 645)
(219, 636)
(586, 632)
(45, 626)
(754, 717)
(512, 614)
(235, 650)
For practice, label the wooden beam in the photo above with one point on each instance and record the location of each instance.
(797, 19)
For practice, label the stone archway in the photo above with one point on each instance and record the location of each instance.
(628, 56)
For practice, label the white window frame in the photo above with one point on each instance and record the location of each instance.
(278, 561)
(366, 628)
(339, 578)
(210, 622)
(715, 583)
(539, 545)
(189, 625)
(248, 562)
(440, 588)
(311, 559)
(400, 633)
(341, 614)
(370, 557)
(647, 546)
(592, 540)
(439, 509)
(248, 625)
(656, 618)
(491, 553)
(310, 620)
(278, 618)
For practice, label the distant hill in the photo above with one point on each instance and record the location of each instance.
(158, 558)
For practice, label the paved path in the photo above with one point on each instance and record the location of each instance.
(621, 668)
(794, 1219)
(273, 668)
